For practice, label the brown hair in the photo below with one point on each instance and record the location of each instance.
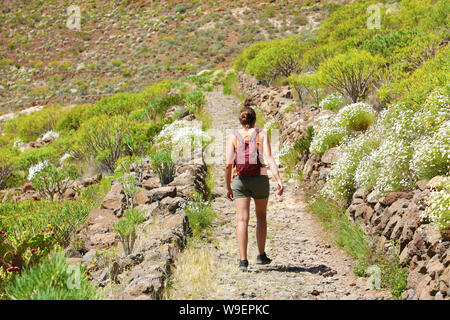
(247, 117)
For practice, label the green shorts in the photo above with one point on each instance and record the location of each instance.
(257, 187)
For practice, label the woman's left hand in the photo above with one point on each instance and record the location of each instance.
(230, 194)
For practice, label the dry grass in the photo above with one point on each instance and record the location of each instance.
(193, 275)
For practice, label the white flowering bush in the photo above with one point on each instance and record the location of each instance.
(182, 133)
(432, 154)
(332, 102)
(341, 183)
(18, 142)
(327, 136)
(438, 204)
(401, 147)
(356, 116)
(64, 157)
(386, 168)
(33, 170)
(285, 149)
(50, 134)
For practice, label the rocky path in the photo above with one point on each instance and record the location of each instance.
(305, 264)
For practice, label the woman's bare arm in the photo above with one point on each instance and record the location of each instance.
(271, 162)
(229, 165)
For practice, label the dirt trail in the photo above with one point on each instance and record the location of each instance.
(305, 264)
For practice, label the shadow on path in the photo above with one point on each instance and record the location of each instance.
(320, 269)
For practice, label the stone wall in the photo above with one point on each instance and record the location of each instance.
(142, 274)
(394, 218)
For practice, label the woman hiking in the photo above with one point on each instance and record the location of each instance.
(246, 150)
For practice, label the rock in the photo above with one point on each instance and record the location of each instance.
(69, 194)
(392, 197)
(323, 173)
(372, 197)
(142, 197)
(416, 247)
(362, 210)
(172, 204)
(114, 201)
(422, 184)
(436, 182)
(116, 188)
(390, 226)
(331, 155)
(434, 267)
(162, 192)
(423, 288)
(409, 295)
(27, 187)
(91, 254)
(101, 217)
(410, 222)
(151, 183)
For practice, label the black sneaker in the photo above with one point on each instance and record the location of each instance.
(263, 259)
(243, 265)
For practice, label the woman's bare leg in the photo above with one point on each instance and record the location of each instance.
(261, 223)
(243, 208)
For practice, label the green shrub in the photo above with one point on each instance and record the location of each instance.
(327, 136)
(7, 164)
(194, 101)
(341, 183)
(414, 89)
(356, 117)
(126, 228)
(158, 106)
(102, 139)
(305, 83)
(333, 102)
(34, 156)
(30, 229)
(231, 83)
(164, 166)
(432, 154)
(438, 204)
(242, 60)
(73, 119)
(387, 44)
(32, 126)
(53, 279)
(279, 58)
(53, 182)
(200, 214)
(351, 73)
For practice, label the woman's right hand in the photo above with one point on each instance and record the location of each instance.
(280, 188)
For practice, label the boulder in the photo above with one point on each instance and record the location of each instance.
(151, 183)
(114, 201)
(392, 197)
(157, 194)
(142, 197)
(372, 197)
(331, 155)
(436, 182)
(422, 184)
(172, 204)
(424, 289)
(434, 267)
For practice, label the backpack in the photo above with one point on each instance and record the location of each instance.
(247, 160)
